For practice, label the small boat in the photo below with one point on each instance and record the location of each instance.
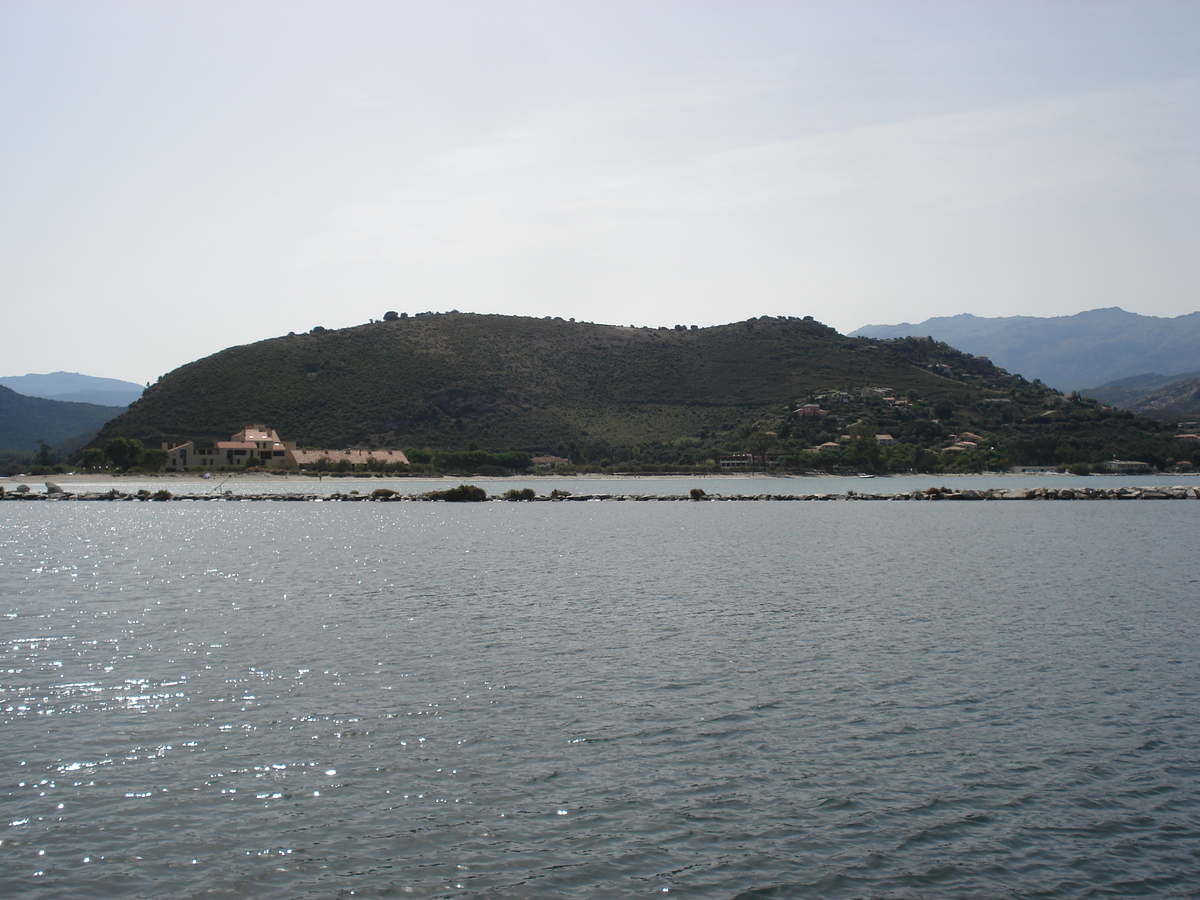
(865, 475)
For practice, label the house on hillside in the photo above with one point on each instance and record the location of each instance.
(828, 445)
(253, 440)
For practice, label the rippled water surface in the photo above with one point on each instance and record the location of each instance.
(279, 700)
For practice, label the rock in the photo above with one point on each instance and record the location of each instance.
(21, 489)
(52, 488)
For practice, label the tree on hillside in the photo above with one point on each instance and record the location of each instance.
(94, 458)
(153, 459)
(758, 443)
(863, 449)
(123, 452)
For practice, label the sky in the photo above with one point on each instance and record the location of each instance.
(180, 176)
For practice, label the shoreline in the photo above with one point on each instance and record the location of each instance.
(384, 495)
(184, 478)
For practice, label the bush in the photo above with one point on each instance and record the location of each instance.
(556, 493)
(1080, 469)
(161, 495)
(464, 493)
(382, 493)
(697, 493)
(523, 494)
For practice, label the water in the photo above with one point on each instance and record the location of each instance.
(279, 700)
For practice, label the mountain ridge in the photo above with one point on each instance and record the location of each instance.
(510, 382)
(75, 388)
(26, 420)
(1094, 347)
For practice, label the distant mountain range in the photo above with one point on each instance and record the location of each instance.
(1071, 353)
(75, 388)
(61, 424)
(1162, 396)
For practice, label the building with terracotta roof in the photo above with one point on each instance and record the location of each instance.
(252, 441)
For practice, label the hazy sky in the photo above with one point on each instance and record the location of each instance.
(178, 177)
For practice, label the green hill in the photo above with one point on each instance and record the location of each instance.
(26, 420)
(616, 398)
(507, 382)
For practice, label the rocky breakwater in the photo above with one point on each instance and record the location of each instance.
(383, 495)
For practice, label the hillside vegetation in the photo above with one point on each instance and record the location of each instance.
(24, 421)
(448, 380)
(457, 389)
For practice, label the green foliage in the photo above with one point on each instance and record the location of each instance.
(757, 444)
(523, 494)
(161, 495)
(863, 450)
(464, 493)
(479, 460)
(123, 452)
(153, 459)
(94, 458)
(253, 462)
(382, 493)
